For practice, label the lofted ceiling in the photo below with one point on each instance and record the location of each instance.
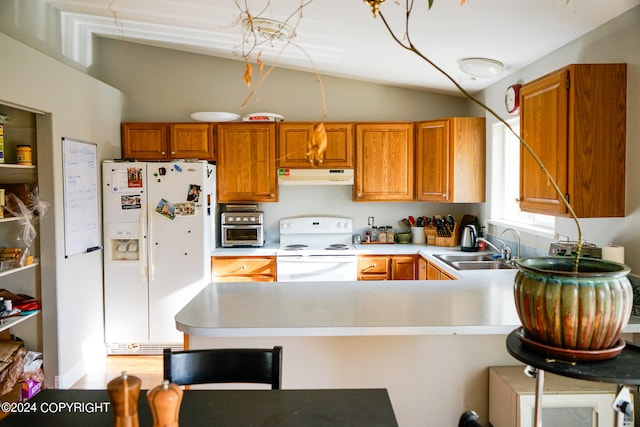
(341, 37)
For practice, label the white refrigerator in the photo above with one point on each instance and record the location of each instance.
(158, 234)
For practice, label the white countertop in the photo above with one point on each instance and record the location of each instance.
(352, 308)
(269, 249)
(479, 302)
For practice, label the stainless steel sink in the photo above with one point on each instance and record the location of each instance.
(474, 262)
(448, 258)
(482, 265)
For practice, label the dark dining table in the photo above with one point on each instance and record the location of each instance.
(312, 407)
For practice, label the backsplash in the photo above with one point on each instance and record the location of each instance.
(337, 201)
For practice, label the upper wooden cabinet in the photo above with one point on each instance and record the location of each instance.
(293, 149)
(164, 141)
(574, 119)
(450, 160)
(246, 166)
(384, 162)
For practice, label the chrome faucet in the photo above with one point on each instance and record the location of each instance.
(505, 252)
(517, 234)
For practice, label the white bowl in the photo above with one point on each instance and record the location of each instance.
(215, 116)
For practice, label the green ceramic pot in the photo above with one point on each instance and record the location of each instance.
(586, 310)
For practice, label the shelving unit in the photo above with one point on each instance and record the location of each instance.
(18, 174)
(17, 269)
(20, 130)
(10, 219)
(10, 322)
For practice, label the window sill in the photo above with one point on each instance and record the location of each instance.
(535, 230)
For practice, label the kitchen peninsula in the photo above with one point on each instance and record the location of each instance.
(429, 343)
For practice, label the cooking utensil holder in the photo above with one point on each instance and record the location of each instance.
(418, 236)
(452, 240)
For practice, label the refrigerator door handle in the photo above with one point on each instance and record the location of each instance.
(143, 244)
(150, 249)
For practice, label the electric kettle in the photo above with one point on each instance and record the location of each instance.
(469, 239)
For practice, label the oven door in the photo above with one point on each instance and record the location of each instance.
(317, 268)
(242, 235)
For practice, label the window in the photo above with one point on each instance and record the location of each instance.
(510, 179)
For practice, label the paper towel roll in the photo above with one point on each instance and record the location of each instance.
(613, 253)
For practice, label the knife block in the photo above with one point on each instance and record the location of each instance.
(453, 240)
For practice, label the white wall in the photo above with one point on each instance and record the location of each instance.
(167, 85)
(615, 41)
(75, 106)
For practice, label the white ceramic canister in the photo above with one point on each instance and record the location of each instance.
(418, 236)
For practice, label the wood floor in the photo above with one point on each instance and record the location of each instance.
(147, 368)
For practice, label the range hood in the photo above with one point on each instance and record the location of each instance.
(287, 176)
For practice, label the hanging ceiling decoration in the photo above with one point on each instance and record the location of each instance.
(270, 29)
(375, 6)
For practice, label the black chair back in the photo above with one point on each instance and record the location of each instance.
(239, 365)
(469, 419)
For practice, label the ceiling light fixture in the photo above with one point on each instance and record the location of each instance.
(270, 29)
(481, 67)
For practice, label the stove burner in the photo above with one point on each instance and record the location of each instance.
(297, 247)
(337, 247)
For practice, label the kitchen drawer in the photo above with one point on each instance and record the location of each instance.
(243, 266)
(372, 267)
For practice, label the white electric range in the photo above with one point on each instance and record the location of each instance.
(316, 249)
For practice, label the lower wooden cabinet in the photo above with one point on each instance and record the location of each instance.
(433, 272)
(385, 267)
(404, 267)
(243, 269)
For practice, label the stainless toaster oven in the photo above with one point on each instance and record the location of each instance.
(241, 227)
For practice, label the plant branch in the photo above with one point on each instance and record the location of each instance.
(412, 48)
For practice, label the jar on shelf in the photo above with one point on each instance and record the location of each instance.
(23, 155)
(390, 235)
(382, 234)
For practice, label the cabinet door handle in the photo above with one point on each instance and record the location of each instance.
(173, 152)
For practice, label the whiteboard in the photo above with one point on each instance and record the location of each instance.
(81, 203)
